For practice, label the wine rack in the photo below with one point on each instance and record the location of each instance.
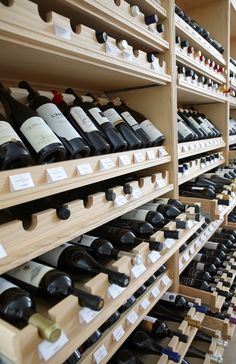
(56, 49)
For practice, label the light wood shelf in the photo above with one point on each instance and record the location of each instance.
(189, 149)
(151, 6)
(232, 139)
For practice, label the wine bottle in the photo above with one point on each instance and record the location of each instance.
(168, 211)
(71, 258)
(116, 141)
(118, 122)
(202, 258)
(139, 228)
(159, 329)
(196, 353)
(171, 299)
(18, 308)
(45, 280)
(154, 218)
(140, 341)
(172, 201)
(73, 358)
(185, 134)
(110, 321)
(124, 356)
(130, 302)
(191, 122)
(50, 113)
(35, 133)
(195, 283)
(198, 192)
(90, 341)
(102, 247)
(13, 152)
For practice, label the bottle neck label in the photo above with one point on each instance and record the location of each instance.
(52, 256)
(86, 240)
(7, 133)
(211, 245)
(150, 319)
(30, 273)
(150, 130)
(82, 119)
(197, 188)
(169, 297)
(200, 266)
(5, 285)
(38, 133)
(57, 121)
(129, 119)
(137, 215)
(198, 257)
(113, 116)
(99, 116)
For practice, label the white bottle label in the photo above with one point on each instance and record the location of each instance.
(38, 133)
(30, 273)
(57, 121)
(150, 319)
(52, 256)
(150, 129)
(129, 119)
(150, 206)
(197, 188)
(86, 240)
(113, 116)
(198, 257)
(183, 129)
(7, 133)
(137, 215)
(5, 285)
(211, 245)
(169, 297)
(193, 122)
(200, 266)
(82, 119)
(98, 115)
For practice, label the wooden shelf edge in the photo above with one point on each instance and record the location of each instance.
(192, 149)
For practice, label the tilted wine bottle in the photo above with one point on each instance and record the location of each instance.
(168, 211)
(42, 143)
(154, 218)
(125, 356)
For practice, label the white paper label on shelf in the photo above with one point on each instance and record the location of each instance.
(111, 48)
(139, 157)
(153, 256)
(165, 280)
(48, 349)
(83, 169)
(114, 290)
(185, 148)
(132, 317)
(180, 265)
(3, 252)
(100, 354)
(160, 183)
(118, 333)
(168, 243)
(145, 303)
(21, 181)
(56, 174)
(124, 160)
(155, 292)
(137, 270)
(120, 201)
(189, 224)
(186, 257)
(127, 55)
(62, 32)
(87, 315)
(192, 250)
(162, 152)
(106, 163)
(151, 154)
(151, 28)
(137, 192)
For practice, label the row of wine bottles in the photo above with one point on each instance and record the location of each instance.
(197, 55)
(194, 125)
(199, 29)
(189, 164)
(50, 130)
(232, 126)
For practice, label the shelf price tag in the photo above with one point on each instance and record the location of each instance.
(56, 174)
(192, 250)
(124, 160)
(162, 152)
(132, 317)
(120, 201)
(137, 192)
(111, 48)
(83, 169)
(186, 257)
(155, 292)
(145, 303)
(106, 163)
(168, 243)
(21, 181)
(114, 290)
(165, 280)
(137, 270)
(139, 157)
(62, 32)
(3, 252)
(87, 315)
(100, 354)
(180, 265)
(47, 349)
(118, 333)
(153, 256)
(160, 183)
(151, 154)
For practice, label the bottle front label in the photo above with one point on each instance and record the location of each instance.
(187, 281)
(57, 121)
(183, 129)
(193, 122)
(138, 215)
(206, 122)
(7, 133)
(82, 119)
(198, 257)
(38, 133)
(151, 130)
(211, 245)
(30, 273)
(150, 319)
(129, 119)
(169, 297)
(52, 256)
(113, 116)
(98, 115)
(200, 266)
(150, 206)
(86, 240)
(5, 285)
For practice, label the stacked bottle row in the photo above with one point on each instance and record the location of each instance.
(50, 130)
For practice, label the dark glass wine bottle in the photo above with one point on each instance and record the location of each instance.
(73, 358)
(18, 307)
(168, 211)
(90, 341)
(70, 258)
(50, 113)
(124, 356)
(110, 321)
(44, 280)
(139, 228)
(172, 201)
(154, 218)
(202, 258)
(42, 143)
(13, 152)
(196, 353)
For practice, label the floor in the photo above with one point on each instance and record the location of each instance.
(230, 352)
